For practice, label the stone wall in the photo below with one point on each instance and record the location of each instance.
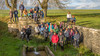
(23, 21)
(91, 38)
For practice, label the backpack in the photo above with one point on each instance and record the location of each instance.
(28, 31)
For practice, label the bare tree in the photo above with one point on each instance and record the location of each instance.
(51, 3)
(2, 4)
(12, 5)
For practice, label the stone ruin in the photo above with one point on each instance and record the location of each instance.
(43, 51)
(15, 28)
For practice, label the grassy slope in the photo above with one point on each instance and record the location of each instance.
(10, 46)
(86, 18)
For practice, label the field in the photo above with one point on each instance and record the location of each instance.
(12, 46)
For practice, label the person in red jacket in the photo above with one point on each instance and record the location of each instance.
(55, 40)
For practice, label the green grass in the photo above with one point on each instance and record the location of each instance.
(12, 46)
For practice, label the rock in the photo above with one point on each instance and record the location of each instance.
(91, 38)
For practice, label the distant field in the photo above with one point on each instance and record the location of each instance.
(86, 18)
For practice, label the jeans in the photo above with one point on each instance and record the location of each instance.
(16, 16)
(68, 20)
(36, 19)
(21, 13)
(76, 43)
(54, 46)
(67, 39)
(25, 36)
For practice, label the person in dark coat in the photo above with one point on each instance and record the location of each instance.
(50, 36)
(71, 33)
(66, 34)
(23, 33)
(36, 8)
(46, 33)
(21, 8)
(61, 40)
(35, 16)
(61, 32)
(16, 14)
(76, 39)
(28, 32)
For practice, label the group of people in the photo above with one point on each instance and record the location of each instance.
(26, 32)
(71, 18)
(61, 35)
(35, 13)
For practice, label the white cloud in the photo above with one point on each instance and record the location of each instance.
(88, 4)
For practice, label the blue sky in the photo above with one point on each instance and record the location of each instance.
(84, 4)
(76, 4)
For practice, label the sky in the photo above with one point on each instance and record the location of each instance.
(84, 4)
(75, 4)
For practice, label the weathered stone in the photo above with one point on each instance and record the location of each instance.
(91, 38)
(43, 50)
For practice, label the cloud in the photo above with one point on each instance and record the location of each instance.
(87, 4)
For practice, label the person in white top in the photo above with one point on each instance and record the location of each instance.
(69, 16)
(37, 29)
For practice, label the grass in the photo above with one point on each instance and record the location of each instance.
(12, 46)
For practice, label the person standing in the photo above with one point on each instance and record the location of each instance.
(56, 30)
(50, 27)
(23, 33)
(11, 15)
(41, 30)
(28, 32)
(71, 36)
(35, 16)
(16, 14)
(69, 16)
(66, 34)
(25, 12)
(55, 41)
(74, 19)
(37, 29)
(46, 33)
(21, 8)
(76, 39)
(36, 8)
(50, 36)
(61, 41)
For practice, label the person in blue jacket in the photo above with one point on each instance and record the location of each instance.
(21, 8)
(16, 14)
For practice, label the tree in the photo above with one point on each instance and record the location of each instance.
(46, 3)
(2, 4)
(13, 4)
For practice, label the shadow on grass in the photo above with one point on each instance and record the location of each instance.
(56, 15)
(83, 15)
(89, 15)
(3, 28)
(82, 23)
